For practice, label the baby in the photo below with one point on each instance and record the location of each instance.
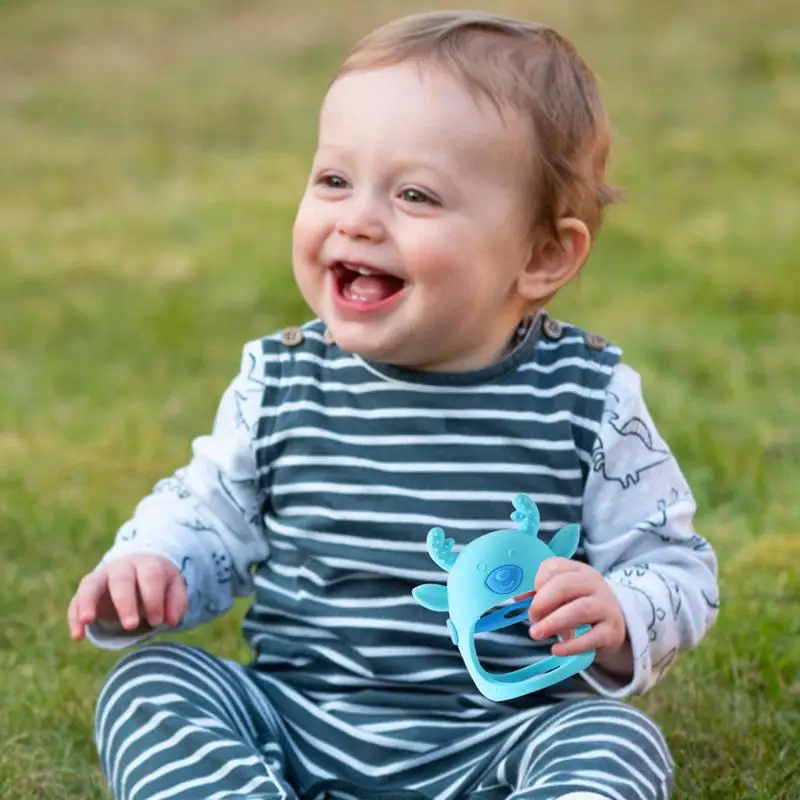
(458, 183)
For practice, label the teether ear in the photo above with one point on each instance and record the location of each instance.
(565, 542)
(432, 596)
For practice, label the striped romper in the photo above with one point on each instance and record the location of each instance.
(314, 492)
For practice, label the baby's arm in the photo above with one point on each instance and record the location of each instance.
(638, 519)
(205, 520)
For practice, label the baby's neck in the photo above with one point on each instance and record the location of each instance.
(520, 332)
(511, 343)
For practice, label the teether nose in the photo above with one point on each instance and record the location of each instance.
(505, 579)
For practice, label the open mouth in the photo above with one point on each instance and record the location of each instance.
(365, 286)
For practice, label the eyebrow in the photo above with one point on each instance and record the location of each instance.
(401, 164)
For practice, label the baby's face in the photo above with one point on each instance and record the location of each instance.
(413, 229)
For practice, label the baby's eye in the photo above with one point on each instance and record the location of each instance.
(332, 181)
(416, 196)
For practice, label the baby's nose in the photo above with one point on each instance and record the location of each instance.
(361, 219)
(505, 579)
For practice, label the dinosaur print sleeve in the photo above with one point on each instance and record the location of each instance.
(207, 517)
(638, 521)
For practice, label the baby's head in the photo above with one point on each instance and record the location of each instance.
(457, 184)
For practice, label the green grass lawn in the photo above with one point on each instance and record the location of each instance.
(152, 157)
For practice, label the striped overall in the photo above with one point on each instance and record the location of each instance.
(355, 691)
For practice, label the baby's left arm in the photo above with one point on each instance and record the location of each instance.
(638, 523)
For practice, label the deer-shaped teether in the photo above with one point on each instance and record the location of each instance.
(489, 571)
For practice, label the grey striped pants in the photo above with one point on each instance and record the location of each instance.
(174, 722)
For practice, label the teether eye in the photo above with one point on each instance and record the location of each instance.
(503, 580)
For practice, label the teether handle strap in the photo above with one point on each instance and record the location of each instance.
(505, 616)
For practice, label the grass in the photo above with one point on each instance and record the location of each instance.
(153, 154)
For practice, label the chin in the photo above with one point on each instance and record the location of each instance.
(360, 346)
(360, 343)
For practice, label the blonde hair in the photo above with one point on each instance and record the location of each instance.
(530, 68)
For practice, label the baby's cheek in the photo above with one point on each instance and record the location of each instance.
(447, 282)
(310, 228)
(428, 249)
(304, 243)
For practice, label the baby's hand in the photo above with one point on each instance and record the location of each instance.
(568, 594)
(127, 590)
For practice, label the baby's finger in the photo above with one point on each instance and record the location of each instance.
(551, 567)
(122, 588)
(152, 582)
(557, 592)
(176, 602)
(76, 630)
(548, 569)
(583, 611)
(89, 592)
(593, 639)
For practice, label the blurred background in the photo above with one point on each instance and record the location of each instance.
(151, 158)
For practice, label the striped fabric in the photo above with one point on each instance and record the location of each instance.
(355, 691)
(175, 723)
(360, 460)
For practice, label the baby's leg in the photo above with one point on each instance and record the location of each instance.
(175, 722)
(588, 749)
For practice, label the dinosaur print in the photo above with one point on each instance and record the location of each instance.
(197, 525)
(712, 606)
(127, 534)
(635, 570)
(657, 614)
(173, 485)
(674, 593)
(639, 436)
(241, 420)
(657, 523)
(223, 568)
(226, 484)
(663, 663)
(258, 384)
(254, 511)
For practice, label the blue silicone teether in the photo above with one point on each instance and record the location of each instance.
(490, 570)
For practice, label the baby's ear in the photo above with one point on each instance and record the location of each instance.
(554, 262)
(432, 596)
(565, 542)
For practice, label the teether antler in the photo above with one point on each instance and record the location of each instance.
(527, 513)
(441, 549)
